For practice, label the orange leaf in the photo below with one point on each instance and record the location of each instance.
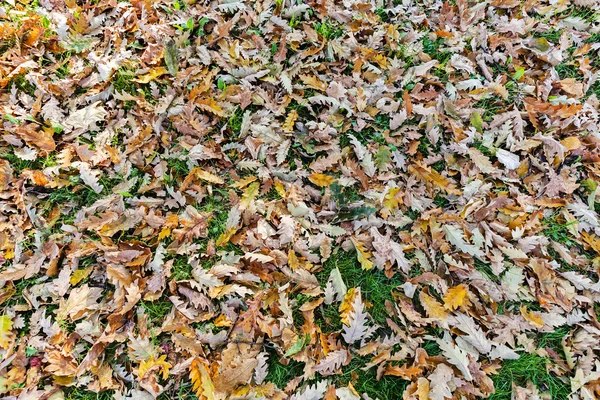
(404, 372)
(531, 317)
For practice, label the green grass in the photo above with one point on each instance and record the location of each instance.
(486, 270)
(177, 167)
(330, 320)
(388, 387)
(551, 35)
(440, 201)
(122, 81)
(553, 339)
(483, 149)
(280, 374)
(182, 269)
(22, 85)
(532, 367)
(376, 288)
(588, 14)
(234, 122)
(557, 231)
(156, 310)
(491, 106)
(505, 307)
(568, 70)
(528, 368)
(431, 347)
(329, 29)
(179, 391)
(432, 48)
(439, 166)
(18, 165)
(81, 394)
(218, 205)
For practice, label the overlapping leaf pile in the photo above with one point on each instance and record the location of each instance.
(300, 199)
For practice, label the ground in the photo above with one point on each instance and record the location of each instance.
(298, 199)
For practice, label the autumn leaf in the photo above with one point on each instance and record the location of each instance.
(321, 180)
(362, 255)
(210, 105)
(243, 182)
(357, 319)
(202, 383)
(456, 356)
(291, 118)
(433, 177)
(5, 331)
(249, 195)
(297, 346)
(456, 297)
(233, 190)
(391, 201)
(404, 372)
(532, 317)
(152, 75)
(80, 275)
(171, 56)
(433, 308)
(207, 176)
(159, 363)
(346, 306)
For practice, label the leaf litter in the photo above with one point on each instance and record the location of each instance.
(300, 200)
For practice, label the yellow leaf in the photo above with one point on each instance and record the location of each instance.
(362, 255)
(150, 363)
(456, 297)
(571, 143)
(211, 106)
(244, 182)
(313, 82)
(203, 384)
(390, 202)
(531, 317)
(165, 232)
(592, 240)
(432, 176)
(249, 194)
(80, 275)
(293, 261)
(222, 321)
(280, 189)
(422, 389)
(225, 237)
(321, 180)
(171, 222)
(152, 75)
(432, 307)
(199, 173)
(208, 177)
(346, 306)
(9, 254)
(5, 331)
(290, 120)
